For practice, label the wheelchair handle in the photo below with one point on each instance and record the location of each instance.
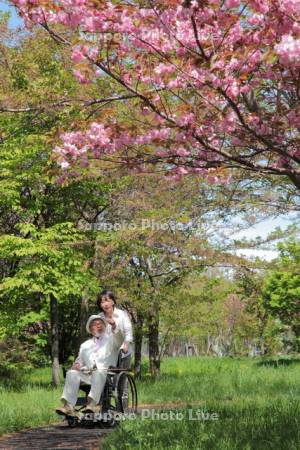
(86, 370)
(89, 371)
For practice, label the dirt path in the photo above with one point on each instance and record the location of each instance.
(61, 436)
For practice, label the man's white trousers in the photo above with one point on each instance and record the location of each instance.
(74, 377)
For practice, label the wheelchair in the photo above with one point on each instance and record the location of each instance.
(119, 398)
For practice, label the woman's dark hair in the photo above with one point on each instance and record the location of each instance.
(105, 293)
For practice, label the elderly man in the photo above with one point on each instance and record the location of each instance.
(96, 353)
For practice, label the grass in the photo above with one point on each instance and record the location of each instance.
(190, 379)
(240, 426)
(28, 402)
(257, 402)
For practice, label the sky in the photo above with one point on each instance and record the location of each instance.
(15, 20)
(262, 229)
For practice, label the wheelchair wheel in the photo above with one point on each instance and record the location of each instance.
(72, 421)
(109, 402)
(127, 393)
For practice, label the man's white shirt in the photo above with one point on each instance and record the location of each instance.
(100, 352)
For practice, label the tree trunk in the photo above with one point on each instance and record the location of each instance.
(54, 340)
(84, 312)
(208, 344)
(138, 340)
(296, 330)
(153, 327)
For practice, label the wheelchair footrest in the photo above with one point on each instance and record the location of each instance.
(81, 401)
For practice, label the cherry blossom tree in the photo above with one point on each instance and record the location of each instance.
(204, 86)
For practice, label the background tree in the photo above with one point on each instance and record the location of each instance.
(281, 291)
(213, 84)
(48, 268)
(30, 199)
(147, 265)
(158, 234)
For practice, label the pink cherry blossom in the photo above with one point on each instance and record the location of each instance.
(232, 3)
(77, 55)
(208, 83)
(289, 50)
(80, 77)
(181, 151)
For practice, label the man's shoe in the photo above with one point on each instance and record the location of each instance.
(65, 411)
(91, 409)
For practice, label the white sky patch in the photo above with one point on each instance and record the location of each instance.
(267, 255)
(15, 20)
(262, 230)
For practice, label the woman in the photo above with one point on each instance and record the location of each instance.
(106, 302)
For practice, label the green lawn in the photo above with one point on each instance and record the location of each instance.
(27, 402)
(256, 402)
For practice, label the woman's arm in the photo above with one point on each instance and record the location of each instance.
(127, 326)
(127, 331)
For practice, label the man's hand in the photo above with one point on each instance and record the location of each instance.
(109, 314)
(125, 347)
(76, 366)
(111, 322)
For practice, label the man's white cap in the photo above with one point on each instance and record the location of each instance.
(90, 320)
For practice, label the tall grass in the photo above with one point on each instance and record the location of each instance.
(28, 401)
(257, 403)
(190, 379)
(240, 427)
